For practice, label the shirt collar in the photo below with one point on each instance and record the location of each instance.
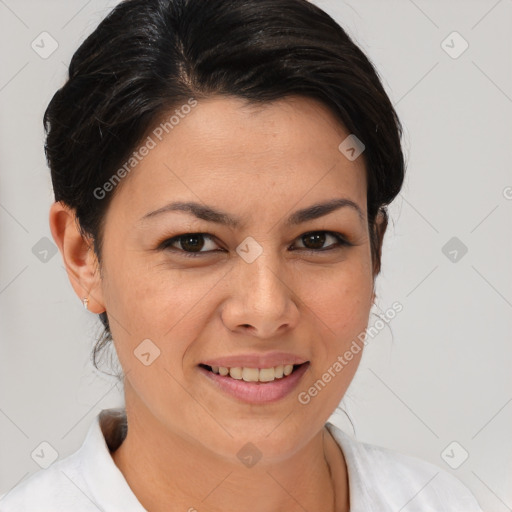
(108, 486)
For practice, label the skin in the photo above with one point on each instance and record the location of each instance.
(260, 163)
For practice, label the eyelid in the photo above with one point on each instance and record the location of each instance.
(340, 238)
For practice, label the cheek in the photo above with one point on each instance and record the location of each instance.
(340, 304)
(341, 299)
(158, 303)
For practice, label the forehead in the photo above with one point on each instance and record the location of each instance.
(234, 154)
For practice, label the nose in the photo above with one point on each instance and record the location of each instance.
(260, 301)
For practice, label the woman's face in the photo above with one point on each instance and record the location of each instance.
(256, 288)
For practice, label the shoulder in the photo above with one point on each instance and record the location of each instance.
(56, 488)
(383, 479)
(87, 480)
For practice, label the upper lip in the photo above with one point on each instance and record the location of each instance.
(256, 360)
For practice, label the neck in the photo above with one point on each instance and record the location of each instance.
(167, 468)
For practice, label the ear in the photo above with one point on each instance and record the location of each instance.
(381, 224)
(78, 255)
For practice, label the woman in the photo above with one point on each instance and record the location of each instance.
(221, 171)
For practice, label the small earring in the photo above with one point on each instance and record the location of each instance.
(85, 301)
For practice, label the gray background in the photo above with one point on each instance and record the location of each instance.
(439, 373)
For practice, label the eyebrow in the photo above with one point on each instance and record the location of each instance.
(210, 214)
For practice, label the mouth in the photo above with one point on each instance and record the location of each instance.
(255, 385)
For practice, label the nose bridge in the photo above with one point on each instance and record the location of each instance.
(259, 295)
(263, 281)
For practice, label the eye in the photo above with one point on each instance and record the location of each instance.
(193, 243)
(316, 239)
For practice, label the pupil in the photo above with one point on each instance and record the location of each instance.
(317, 238)
(191, 243)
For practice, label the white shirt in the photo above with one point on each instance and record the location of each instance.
(380, 480)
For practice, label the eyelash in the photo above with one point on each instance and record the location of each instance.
(165, 245)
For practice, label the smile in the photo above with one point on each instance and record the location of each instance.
(255, 385)
(254, 374)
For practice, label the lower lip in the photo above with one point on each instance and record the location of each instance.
(257, 392)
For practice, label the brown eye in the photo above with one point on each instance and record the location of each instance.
(315, 240)
(190, 244)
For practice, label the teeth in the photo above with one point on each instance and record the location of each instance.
(250, 374)
(267, 374)
(255, 374)
(236, 373)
